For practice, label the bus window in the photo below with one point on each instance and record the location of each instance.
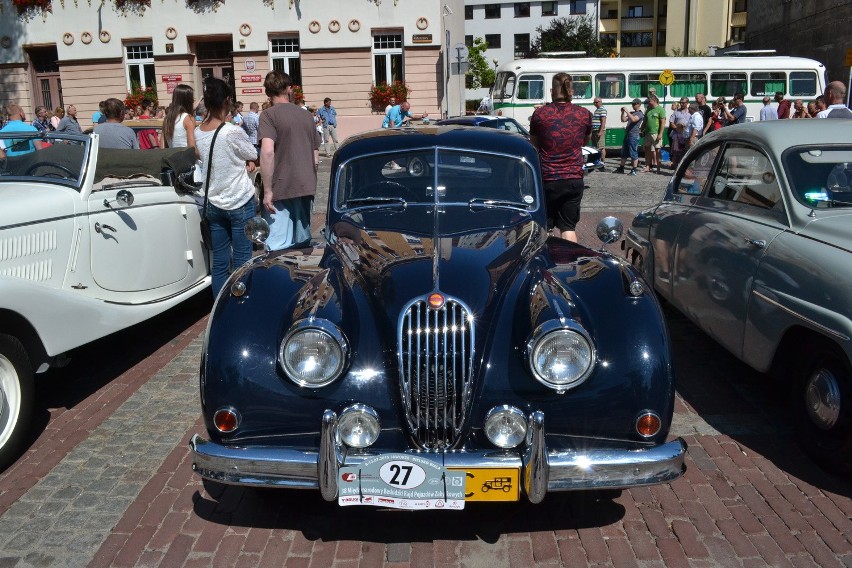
(504, 87)
(767, 83)
(582, 86)
(531, 87)
(803, 84)
(641, 82)
(728, 84)
(688, 85)
(610, 86)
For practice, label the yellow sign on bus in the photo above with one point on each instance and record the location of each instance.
(667, 77)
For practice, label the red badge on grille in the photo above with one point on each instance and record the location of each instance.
(436, 301)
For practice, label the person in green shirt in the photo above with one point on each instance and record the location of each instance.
(652, 130)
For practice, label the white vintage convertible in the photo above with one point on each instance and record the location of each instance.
(92, 241)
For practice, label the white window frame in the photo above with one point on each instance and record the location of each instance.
(387, 52)
(285, 49)
(140, 62)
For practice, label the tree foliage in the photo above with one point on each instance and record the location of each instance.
(480, 73)
(570, 34)
(678, 52)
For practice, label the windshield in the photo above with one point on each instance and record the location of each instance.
(506, 124)
(409, 178)
(821, 177)
(31, 156)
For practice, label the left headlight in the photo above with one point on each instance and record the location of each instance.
(560, 357)
(313, 353)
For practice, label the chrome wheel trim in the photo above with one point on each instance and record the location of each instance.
(10, 399)
(822, 399)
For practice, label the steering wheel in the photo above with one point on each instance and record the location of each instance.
(387, 188)
(38, 165)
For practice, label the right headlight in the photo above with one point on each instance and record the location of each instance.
(313, 354)
(560, 357)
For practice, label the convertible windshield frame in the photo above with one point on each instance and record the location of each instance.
(820, 176)
(413, 180)
(62, 160)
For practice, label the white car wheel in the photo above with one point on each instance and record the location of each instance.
(15, 397)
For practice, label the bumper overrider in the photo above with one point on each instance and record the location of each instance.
(541, 470)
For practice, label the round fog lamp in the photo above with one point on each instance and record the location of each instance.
(505, 426)
(648, 424)
(358, 426)
(226, 420)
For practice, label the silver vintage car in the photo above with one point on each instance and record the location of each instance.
(752, 242)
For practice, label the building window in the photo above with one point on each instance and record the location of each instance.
(493, 41)
(522, 45)
(139, 63)
(387, 58)
(609, 40)
(492, 11)
(577, 7)
(738, 35)
(522, 9)
(468, 40)
(549, 8)
(285, 57)
(468, 12)
(634, 12)
(637, 39)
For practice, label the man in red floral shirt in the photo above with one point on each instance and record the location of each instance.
(559, 130)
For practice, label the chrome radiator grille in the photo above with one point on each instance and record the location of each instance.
(436, 359)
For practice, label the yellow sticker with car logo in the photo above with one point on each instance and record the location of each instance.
(491, 484)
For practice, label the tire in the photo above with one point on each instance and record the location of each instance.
(16, 398)
(822, 406)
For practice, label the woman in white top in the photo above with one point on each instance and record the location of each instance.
(179, 123)
(230, 195)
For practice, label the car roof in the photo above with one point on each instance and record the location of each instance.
(778, 135)
(446, 136)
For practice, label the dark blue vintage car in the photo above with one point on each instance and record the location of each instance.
(441, 345)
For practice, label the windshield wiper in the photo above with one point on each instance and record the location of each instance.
(485, 203)
(377, 201)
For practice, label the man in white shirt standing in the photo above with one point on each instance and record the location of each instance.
(695, 125)
(835, 95)
(768, 112)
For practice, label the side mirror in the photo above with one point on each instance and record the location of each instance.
(609, 230)
(123, 199)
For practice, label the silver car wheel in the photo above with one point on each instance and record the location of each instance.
(822, 398)
(10, 399)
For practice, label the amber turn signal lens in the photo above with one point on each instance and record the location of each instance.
(226, 420)
(648, 424)
(436, 301)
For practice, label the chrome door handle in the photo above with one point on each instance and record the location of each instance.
(100, 228)
(756, 243)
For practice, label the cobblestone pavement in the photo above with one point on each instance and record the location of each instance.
(107, 480)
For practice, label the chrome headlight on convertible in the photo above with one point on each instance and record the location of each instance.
(560, 357)
(313, 353)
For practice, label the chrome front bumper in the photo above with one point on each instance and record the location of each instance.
(541, 470)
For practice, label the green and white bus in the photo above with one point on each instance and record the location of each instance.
(524, 84)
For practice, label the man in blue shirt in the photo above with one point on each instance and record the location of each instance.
(398, 114)
(736, 115)
(16, 147)
(328, 116)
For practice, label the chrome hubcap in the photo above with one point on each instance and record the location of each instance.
(10, 399)
(822, 399)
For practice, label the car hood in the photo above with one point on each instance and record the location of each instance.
(472, 266)
(831, 229)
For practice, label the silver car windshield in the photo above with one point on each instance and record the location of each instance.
(411, 177)
(821, 177)
(43, 158)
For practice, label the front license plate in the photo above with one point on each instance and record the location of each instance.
(491, 484)
(401, 481)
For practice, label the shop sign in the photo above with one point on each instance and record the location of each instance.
(251, 79)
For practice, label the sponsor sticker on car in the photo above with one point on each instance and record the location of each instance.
(401, 481)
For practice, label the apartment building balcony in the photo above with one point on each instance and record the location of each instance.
(642, 24)
(738, 19)
(610, 25)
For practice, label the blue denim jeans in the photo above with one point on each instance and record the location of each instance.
(231, 247)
